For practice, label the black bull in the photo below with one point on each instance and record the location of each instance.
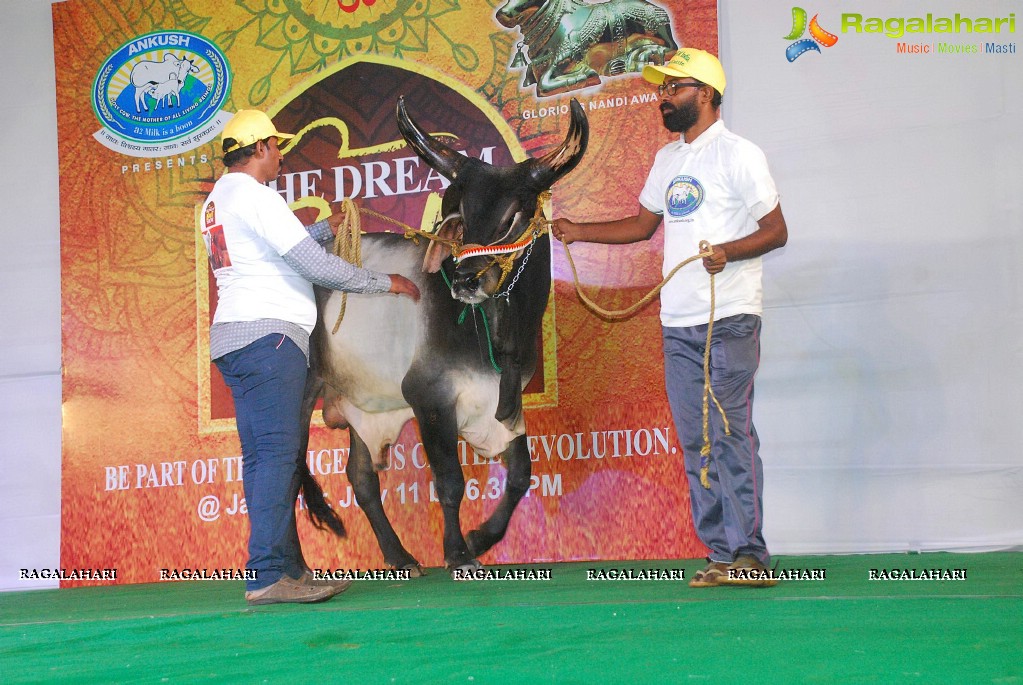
(393, 359)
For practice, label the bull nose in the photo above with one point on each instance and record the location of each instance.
(470, 282)
(467, 289)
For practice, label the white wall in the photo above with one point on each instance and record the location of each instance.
(890, 389)
(893, 339)
(29, 296)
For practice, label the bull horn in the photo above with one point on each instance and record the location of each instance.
(546, 170)
(435, 153)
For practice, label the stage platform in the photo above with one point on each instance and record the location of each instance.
(846, 620)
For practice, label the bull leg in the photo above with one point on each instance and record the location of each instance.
(366, 484)
(494, 528)
(566, 76)
(509, 398)
(440, 438)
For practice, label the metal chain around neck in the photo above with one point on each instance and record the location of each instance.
(506, 293)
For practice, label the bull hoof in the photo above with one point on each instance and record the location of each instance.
(414, 570)
(465, 571)
(413, 567)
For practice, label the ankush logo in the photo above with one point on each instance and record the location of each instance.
(161, 94)
(818, 36)
(684, 196)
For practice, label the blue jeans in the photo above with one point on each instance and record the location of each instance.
(728, 517)
(267, 379)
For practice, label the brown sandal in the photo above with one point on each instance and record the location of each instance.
(749, 572)
(710, 576)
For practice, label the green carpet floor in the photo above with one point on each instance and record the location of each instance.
(843, 629)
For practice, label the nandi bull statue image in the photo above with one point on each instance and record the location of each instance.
(572, 43)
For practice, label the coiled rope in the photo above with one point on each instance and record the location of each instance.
(348, 246)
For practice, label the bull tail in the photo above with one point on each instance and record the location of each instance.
(320, 513)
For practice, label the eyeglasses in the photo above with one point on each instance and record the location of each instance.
(672, 88)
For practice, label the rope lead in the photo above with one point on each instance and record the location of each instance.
(348, 246)
(708, 391)
(486, 325)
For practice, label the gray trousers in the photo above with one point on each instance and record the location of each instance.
(728, 516)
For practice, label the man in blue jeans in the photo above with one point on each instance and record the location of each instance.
(709, 185)
(265, 263)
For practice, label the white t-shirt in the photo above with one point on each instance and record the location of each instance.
(247, 226)
(714, 189)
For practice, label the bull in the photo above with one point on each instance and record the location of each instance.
(394, 360)
(572, 43)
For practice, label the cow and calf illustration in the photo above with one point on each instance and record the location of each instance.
(161, 81)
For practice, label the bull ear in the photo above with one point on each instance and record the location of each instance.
(546, 170)
(435, 153)
(436, 252)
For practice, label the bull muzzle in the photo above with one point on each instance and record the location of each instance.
(514, 12)
(475, 280)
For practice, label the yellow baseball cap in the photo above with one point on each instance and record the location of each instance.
(247, 126)
(697, 64)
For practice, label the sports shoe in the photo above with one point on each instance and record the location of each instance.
(289, 590)
(748, 571)
(338, 586)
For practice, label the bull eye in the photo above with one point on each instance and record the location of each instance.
(511, 227)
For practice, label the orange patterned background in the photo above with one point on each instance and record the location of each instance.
(144, 448)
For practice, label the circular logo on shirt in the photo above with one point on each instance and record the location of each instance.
(684, 196)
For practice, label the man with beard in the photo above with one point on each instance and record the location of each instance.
(710, 185)
(265, 263)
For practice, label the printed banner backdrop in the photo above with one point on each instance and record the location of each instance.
(151, 463)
